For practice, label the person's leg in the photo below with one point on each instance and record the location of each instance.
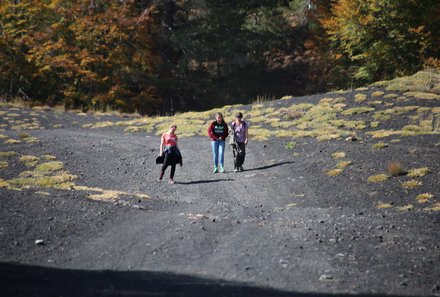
(221, 152)
(165, 165)
(214, 145)
(242, 153)
(235, 155)
(173, 170)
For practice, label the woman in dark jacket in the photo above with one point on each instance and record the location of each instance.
(218, 131)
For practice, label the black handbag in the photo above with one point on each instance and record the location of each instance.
(160, 159)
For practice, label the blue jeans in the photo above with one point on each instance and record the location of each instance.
(218, 150)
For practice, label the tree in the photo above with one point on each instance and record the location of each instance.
(381, 38)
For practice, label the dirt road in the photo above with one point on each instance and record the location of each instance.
(281, 227)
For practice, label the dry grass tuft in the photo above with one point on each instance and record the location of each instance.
(379, 145)
(49, 166)
(338, 155)
(406, 207)
(396, 169)
(3, 184)
(423, 95)
(418, 172)
(377, 94)
(334, 172)
(4, 164)
(29, 160)
(8, 154)
(411, 184)
(360, 97)
(382, 205)
(435, 207)
(343, 164)
(423, 198)
(378, 178)
(12, 141)
(357, 110)
(374, 124)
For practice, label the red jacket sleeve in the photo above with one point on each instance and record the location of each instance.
(211, 132)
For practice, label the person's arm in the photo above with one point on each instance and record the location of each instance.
(161, 147)
(211, 133)
(246, 135)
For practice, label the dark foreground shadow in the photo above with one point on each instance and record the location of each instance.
(25, 280)
(207, 181)
(269, 166)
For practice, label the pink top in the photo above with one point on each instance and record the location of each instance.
(169, 139)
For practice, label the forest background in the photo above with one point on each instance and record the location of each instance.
(160, 57)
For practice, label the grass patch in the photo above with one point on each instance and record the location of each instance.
(406, 207)
(338, 155)
(423, 81)
(49, 166)
(24, 135)
(391, 96)
(425, 197)
(60, 181)
(411, 184)
(260, 134)
(377, 94)
(378, 178)
(374, 124)
(31, 140)
(379, 145)
(343, 164)
(4, 164)
(12, 141)
(360, 97)
(418, 172)
(3, 184)
(423, 95)
(384, 133)
(382, 205)
(290, 145)
(8, 154)
(357, 110)
(29, 160)
(334, 172)
(102, 125)
(435, 207)
(49, 157)
(105, 196)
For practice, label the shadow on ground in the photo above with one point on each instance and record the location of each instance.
(25, 280)
(269, 166)
(207, 181)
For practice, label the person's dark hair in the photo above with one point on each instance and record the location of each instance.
(239, 115)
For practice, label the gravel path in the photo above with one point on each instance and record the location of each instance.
(281, 227)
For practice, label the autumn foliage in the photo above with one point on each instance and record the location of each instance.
(162, 56)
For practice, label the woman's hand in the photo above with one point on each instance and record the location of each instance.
(161, 154)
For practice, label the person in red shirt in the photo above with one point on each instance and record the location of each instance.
(171, 153)
(218, 131)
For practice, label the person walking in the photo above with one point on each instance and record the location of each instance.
(218, 131)
(241, 136)
(170, 152)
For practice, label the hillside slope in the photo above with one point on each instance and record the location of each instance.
(340, 196)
